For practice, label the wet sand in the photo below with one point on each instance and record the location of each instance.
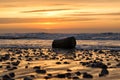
(58, 64)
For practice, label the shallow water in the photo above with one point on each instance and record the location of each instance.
(81, 44)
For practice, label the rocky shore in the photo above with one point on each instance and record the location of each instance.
(58, 64)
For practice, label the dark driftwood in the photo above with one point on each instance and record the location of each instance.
(67, 43)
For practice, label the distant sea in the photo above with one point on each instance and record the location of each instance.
(44, 40)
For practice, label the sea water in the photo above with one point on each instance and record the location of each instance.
(38, 43)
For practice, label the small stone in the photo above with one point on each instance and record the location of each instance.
(36, 67)
(86, 75)
(49, 74)
(61, 76)
(32, 76)
(8, 66)
(69, 70)
(104, 72)
(0, 66)
(41, 71)
(6, 77)
(78, 73)
(66, 62)
(15, 63)
(12, 74)
(97, 65)
(118, 65)
(26, 67)
(27, 78)
(108, 63)
(58, 62)
(68, 74)
(76, 78)
(47, 77)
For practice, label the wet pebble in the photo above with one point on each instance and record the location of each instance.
(86, 75)
(60, 75)
(12, 74)
(78, 73)
(104, 72)
(6, 77)
(15, 63)
(69, 70)
(41, 71)
(66, 62)
(68, 75)
(27, 78)
(58, 62)
(36, 67)
(76, 78)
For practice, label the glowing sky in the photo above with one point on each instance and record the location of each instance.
(78, 16)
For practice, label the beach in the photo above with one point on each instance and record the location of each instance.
(59, 64)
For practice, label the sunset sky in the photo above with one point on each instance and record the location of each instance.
(60, 16)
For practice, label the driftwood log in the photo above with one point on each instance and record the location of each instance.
(65, 43)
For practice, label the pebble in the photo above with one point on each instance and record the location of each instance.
(86, 75)
(27, 78)
(69, 70)
(68, 74)
(66, 62)
(12, 74)
(61, 76)
(41, 71)
(78, 73)
(15, 63)
(6, 77)
(1, 66)
(76, 78)
(104, 72)
(36, 67)
(58, 62)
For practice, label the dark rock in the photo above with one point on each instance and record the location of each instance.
(36, 67)
(49, 75)
(12, 59)
(65, 43)
(66, 62)
(58, 62)
(12, 74)
(6, 57)
(32, 76)
(86, 75)
(118, 65)
(41, 71)
(6, 77)
(84, 63)
(100, 51)
(69, 70)
(1, 66)
(104, 72)
(27, 78)
(12, 68)
(76, 78)
(61, 76)
(68, 74)
(8, 67)
(26, 67)
(15, 63)
(78, 73)
(97, 65)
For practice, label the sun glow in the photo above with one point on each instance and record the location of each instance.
(53, 14)
(49, 23)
